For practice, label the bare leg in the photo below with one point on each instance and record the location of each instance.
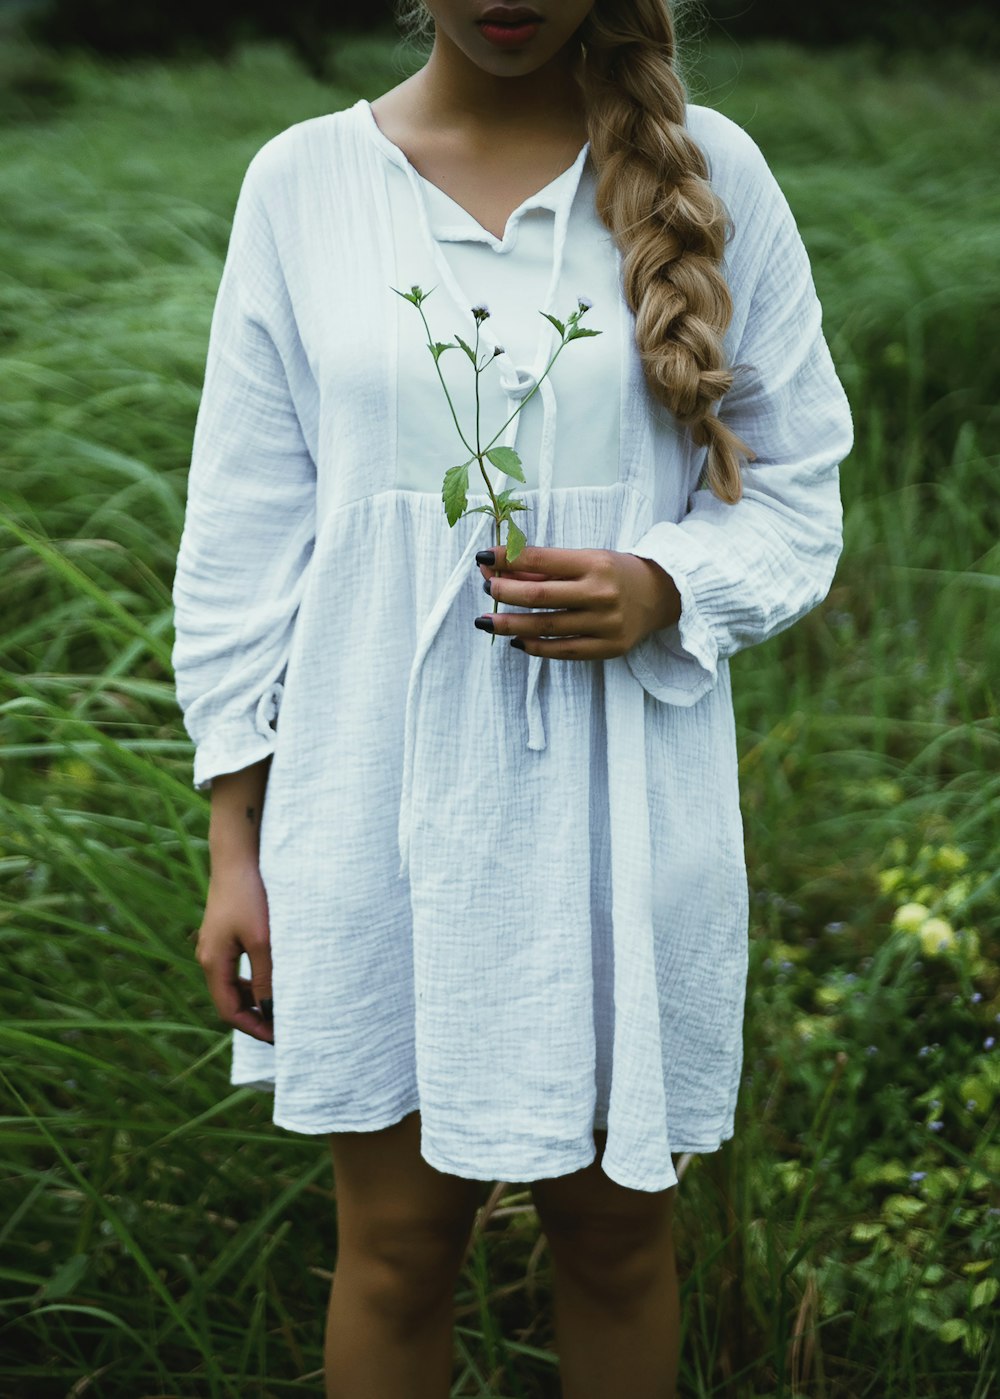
(403, 1228)
(616, 1305)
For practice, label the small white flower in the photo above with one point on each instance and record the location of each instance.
(481, 311)
(584, 303)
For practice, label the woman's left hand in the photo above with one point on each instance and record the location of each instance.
(604, 602)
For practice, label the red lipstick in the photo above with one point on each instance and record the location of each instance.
(509, 26)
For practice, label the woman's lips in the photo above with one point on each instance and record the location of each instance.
(509, 36)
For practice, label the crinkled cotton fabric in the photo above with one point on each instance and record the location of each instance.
(506, 891)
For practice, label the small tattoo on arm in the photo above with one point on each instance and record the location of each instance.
(251, 814)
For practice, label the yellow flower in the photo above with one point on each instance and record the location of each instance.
(956, 894)
(910, 918)
(950, 859)
(936, 935)
(890, 880)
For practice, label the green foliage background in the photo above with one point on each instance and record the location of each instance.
(146, 27)
(159, 1235)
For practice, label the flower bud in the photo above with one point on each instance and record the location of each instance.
(481, 312)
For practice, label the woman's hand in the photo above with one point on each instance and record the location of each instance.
(605, 602)
(236, 920)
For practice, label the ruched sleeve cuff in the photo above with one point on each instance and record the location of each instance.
(237, 742)
(679, 663)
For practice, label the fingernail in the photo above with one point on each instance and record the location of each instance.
(487, 557)
(517, 643)
(487, 582)
(484, 623)
(267, 1008)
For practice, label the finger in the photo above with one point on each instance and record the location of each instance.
(575, 622)
(260, 978)
(537, 591)
(576, 648)
(233, 997)
(512, 573)
(251, 1019)
(553, 563)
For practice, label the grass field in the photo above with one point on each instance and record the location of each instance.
(159, 1235)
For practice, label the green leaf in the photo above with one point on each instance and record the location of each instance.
(507, 460)
(558, 324)
(467, 348)
(505, 502)
(515, 541)
(67, 1277)
(578, 332)
(985, 1292)
(438, 349)
(952, 1331)
(454, 492)
(480, 510)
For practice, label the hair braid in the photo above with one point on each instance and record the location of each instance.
(654, 196)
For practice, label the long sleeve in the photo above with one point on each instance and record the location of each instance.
(747, 571)
(249, 525)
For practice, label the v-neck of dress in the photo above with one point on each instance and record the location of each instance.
(465, 225)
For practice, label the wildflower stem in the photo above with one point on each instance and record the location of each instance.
(530, 395)
(482, 464)
(475, 365)
(437, 366)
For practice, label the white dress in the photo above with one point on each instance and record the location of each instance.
(503, 890)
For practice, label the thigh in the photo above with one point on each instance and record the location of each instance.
(589, 1202)
(385, 1188)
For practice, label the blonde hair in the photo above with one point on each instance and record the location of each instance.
(654, 196)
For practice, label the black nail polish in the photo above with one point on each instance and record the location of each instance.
(484, 623)
(487, 585)
(517, 643)
(487, 557)
(267, 1008)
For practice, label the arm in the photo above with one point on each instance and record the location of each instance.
(249, 524)
(241, 568)
(746, 571)
(690, 594)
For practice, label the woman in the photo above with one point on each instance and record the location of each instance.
(494, 911)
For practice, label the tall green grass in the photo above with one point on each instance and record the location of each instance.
(159, 1235)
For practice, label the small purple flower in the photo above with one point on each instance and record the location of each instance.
(834, 928)
(872, 1049)
(989, 1042)
(584, 303)
(923, 1051)
(481, 311)
(786, 966)
(935, 1103)
(971, 1104)
(917, 1176)
(936, 1126)
(851, 976)
(976, 997)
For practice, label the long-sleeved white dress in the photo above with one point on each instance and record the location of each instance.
(504, 890)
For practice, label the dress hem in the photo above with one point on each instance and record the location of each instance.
(567, 1165)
